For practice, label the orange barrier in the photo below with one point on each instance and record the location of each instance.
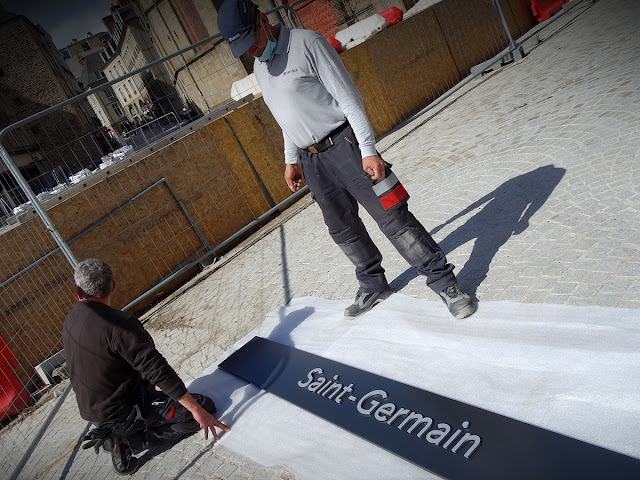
(335, 44)
(393, 15)
(13, 396)
(544, 9)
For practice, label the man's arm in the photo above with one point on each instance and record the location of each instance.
(290, 149)
(336, 79)
(204, 418)
(136, 346)
(292, 169)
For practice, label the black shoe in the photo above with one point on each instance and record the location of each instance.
(206, 403)
(365, 302)
(124, 463)
(459, 303)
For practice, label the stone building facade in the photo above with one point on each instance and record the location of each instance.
(203, 75)
(34, 77)
(86, 58)
(147, 94)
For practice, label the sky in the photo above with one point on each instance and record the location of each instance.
(63, 19)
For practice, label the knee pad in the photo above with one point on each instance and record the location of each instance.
(416, 246)
(361, 251)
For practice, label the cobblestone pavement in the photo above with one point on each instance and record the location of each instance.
(529, 180)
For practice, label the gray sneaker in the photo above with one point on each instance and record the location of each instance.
(365, 302)
(459, 303)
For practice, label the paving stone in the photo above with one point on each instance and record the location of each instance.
(226, 470)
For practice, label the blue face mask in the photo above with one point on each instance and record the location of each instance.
(268, 51)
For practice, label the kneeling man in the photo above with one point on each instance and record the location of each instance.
(114, 368)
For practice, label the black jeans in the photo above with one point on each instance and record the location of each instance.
(338, 183)
(155, 419)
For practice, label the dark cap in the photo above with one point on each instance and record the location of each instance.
(235, 22)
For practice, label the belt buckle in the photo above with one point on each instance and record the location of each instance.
(312, 149)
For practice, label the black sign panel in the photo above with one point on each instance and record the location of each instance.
(449, 438)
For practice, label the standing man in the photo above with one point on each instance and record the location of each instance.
(114, 367)
(327, 134)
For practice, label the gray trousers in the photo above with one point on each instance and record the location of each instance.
(338, 183)
(155, 419)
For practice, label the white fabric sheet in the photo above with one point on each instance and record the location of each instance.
(573, 370)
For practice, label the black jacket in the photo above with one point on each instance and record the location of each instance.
(108, 352)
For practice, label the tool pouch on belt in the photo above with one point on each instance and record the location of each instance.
(389, 190)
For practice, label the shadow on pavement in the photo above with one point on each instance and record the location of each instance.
(225, 384)
(504, 212)
(74, 453)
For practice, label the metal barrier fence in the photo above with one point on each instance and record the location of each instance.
(124, 202)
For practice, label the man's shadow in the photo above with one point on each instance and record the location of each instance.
(281, 333)
(504, 212)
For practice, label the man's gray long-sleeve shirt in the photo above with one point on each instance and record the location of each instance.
(310, 93)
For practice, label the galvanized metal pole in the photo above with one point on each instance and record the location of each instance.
(513, 44)
(34, 443)
(38, 207)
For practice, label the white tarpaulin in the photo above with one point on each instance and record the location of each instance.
(573, 370)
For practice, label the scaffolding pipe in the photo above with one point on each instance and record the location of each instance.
(34, 443)
(37, 206)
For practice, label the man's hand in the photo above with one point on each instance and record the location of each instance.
(204, 418)
(374, 166)
(293, 176)
(209, 422)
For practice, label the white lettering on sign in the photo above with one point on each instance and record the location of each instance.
(373, 404)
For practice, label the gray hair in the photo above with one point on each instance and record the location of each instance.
(94, 277)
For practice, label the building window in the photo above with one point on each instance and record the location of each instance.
(99, 74)
(117, 110)
(109, 92)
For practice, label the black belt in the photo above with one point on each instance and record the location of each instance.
(328, 141)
